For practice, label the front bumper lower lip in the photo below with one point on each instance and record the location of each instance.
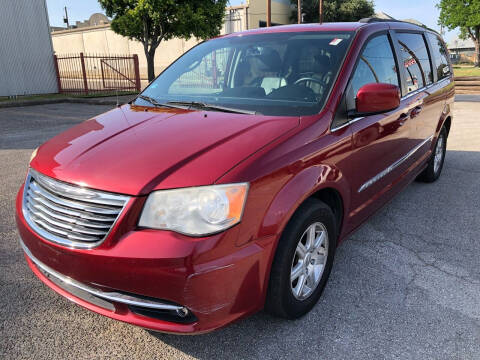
(110, 295)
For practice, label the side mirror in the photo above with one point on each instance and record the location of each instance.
(376, 98)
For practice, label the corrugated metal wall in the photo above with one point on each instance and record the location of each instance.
(26, 54)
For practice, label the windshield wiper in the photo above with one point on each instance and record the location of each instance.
(204, 106)
(156, 103)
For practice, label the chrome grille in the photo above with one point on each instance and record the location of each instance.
(70, 215)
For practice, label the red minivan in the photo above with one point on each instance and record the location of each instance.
(227, 184)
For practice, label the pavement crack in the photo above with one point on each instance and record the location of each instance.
(398, 231)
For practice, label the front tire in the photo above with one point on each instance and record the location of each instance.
(435, 164)
(303, 261)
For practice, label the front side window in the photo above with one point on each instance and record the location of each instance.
(271, 74)
(415, 60)
(439, 53)
(375, 65)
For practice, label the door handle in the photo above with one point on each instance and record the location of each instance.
(415, 111)
(402, 118)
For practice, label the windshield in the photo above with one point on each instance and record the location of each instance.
(272, 74)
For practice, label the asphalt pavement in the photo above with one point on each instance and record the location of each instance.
(406, 285)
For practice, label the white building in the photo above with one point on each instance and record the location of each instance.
(26, 53)
(462, 51)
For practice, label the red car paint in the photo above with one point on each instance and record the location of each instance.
(374, 98)
(224, 277)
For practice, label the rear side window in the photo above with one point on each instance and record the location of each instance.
(415, 60)
(375, 65)
(439, 54)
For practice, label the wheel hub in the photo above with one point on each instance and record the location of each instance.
(307, 259)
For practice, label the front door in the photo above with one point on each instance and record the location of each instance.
(381, 141)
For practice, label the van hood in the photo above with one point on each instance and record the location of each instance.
(134, 150)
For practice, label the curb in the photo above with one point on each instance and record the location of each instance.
(466, 78)
(92, 101)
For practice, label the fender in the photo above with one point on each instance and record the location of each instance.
(448, 92)
(291, 196)
(446, 113)
(297, 190)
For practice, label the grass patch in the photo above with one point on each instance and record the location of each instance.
(459, 70)
(32, 97)
(59, 96)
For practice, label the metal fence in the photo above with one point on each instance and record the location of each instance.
(208, 75)
(93, 74)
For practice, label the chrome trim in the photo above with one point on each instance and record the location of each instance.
(354, 120)
(37, 190)
(50, 232)
(415, 92)
(110, 295)
(447, 79)
(78, 192)
(423, 89)
(65, 211)
(397, 163)
(60, 224)
(67, 214)
(41, 210)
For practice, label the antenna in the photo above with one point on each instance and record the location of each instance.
(320, 11)
(65, 18)
(299, 11)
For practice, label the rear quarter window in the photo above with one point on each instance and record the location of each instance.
(440, 56)
(415, 60)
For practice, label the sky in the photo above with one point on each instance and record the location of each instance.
(421, 10)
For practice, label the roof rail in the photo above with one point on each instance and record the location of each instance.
(372, 20)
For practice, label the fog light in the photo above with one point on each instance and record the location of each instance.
(181, 315)
(183, 312)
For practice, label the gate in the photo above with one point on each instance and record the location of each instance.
(97, 74)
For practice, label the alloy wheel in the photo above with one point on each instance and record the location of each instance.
(439, 152)
(309, 261)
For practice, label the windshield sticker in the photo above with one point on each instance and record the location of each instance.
(335, 41)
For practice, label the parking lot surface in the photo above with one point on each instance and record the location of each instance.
(406, 285)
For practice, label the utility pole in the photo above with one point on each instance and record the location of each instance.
(65, 18)
(299, 11)
(320, 11)
(269, 13)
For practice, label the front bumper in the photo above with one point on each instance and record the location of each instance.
(155, 279)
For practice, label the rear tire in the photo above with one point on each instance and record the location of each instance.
(311, 232)
(435, 163)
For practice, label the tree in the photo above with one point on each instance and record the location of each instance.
(464, 14)
(152, 21)
(334, 10)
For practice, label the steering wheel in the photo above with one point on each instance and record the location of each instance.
(309, 79)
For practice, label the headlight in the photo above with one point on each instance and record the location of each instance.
(195, 211)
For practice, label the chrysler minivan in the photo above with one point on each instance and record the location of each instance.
(225, 187)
